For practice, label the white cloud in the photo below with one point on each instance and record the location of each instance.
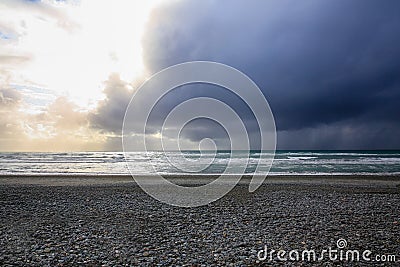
(72, 47)
(54, 59)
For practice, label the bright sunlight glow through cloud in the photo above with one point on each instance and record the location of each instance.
(75, 46)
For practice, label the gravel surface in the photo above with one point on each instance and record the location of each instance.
(119, 225)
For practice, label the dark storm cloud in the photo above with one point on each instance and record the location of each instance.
(321, 64)
(109, 113)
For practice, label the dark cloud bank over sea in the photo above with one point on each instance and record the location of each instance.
(329, 69)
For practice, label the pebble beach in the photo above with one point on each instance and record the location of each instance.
(113, 223)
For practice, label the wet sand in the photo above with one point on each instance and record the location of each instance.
(81, 180)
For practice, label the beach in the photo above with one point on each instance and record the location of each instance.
(109, 221)
(275, 123)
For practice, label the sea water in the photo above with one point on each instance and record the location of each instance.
(284, 162)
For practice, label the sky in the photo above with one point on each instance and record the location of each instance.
(329, 69)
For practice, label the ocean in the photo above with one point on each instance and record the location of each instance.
(284, 163)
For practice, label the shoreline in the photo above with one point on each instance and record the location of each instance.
(82, 180)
